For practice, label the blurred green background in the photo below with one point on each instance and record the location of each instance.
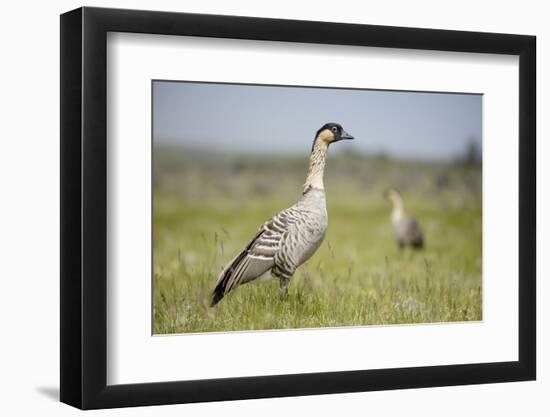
(208, 205)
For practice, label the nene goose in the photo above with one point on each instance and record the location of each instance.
(407, 229)
(290, 237)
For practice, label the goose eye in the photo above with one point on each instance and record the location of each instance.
(334, 129)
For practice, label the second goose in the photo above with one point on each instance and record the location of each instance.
(407, 229)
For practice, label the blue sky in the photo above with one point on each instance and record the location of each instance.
(259, 119)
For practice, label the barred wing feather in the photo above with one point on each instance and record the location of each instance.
(257, 257)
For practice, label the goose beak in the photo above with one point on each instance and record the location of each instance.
(346, 135)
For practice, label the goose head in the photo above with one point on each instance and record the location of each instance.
(331, 133)
(393, 196)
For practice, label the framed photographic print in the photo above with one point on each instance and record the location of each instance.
(257, 207)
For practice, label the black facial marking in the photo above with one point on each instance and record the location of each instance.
(333, 127)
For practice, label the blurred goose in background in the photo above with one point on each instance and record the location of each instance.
(290, 237)
(407, 229)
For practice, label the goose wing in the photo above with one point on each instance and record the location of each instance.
(256, 258)
(414, 232)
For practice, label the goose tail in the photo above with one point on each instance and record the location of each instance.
(231, 276)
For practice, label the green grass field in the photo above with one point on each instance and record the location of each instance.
(207, 207)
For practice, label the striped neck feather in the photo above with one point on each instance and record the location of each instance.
(316, 169)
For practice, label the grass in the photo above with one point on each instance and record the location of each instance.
(205, 212)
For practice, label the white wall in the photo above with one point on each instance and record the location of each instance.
(29, 238)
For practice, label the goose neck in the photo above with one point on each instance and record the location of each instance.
(398, 211)
(316, 170)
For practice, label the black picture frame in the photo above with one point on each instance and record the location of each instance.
(84, 207)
